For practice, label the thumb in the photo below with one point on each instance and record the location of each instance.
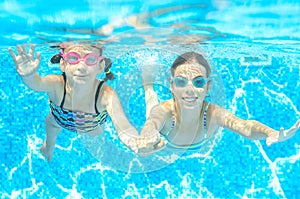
(282, 131)
(38, 59)
(269, 141)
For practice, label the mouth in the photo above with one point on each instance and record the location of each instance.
(79, 76)
(190, 99)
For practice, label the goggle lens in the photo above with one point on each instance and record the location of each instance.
(198, 82)
(89, 59)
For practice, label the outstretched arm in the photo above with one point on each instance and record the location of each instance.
(156, 119)
(251, 129)
(152, 127)
(126, 132)
(27, 66)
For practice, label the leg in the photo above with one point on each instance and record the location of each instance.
(96, 131)
(52, 131)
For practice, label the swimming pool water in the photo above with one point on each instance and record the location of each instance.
(255, 55)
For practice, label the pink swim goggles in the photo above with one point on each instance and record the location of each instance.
(89, 59)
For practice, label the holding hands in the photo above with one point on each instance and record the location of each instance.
(25, 63)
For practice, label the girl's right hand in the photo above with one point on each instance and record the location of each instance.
(25, 63)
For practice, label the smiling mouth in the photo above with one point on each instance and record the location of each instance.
(190, 99)
(79, 75)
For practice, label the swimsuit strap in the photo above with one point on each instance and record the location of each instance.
(174, 120)
(97, 94)
(64, 96)
(204, 120)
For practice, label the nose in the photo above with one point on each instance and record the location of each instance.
(190, 88)
(81, 66)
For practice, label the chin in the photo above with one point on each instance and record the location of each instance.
(80, 79)
(190, 104)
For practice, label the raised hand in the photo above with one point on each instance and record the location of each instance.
(282, 135)
(25, 63)
(290, 132)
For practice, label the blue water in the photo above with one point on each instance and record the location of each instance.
(254, 49)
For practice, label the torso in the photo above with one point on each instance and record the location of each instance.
(78, 115)
(187, 135)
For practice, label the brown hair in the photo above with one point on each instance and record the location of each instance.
(190, 58)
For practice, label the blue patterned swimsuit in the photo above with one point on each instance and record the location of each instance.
(77, 121)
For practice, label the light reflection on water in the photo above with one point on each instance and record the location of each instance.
(256, 54)
(199, 20)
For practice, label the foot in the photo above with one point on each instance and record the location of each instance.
(47, 150)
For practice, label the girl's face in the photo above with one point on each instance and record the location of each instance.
(81, 63)
(189, 85)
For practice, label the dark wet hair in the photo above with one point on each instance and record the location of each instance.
(108, 74)
(190, 58)
(55, 59)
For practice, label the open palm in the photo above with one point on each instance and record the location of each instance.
(282, 135)
(25, 62)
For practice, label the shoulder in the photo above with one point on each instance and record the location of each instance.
(167, 105)
(218, 114)
(106, 90)
(214, 109)
(54, 86)
(107, 94)
(53, 82)
(51, 78)
(105, 87)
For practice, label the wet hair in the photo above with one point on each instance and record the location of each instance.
(190, 58)
(55, 59)
(108, 74)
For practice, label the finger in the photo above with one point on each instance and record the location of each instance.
(268, 142)
(271, 140)
(285, 133)
(38, 58)
(31, 51)
(298, 124)
(19, 49)
(12, 54)
(24, 48)
(282, 131)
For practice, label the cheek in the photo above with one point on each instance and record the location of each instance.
(69, 69)
(100, 68)
(201, 92)
(177, 91)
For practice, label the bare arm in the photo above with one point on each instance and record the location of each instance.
(27, 66)
(126, 132)
(251, 129)
(157, 118)
(152, 127)
(116, 113)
